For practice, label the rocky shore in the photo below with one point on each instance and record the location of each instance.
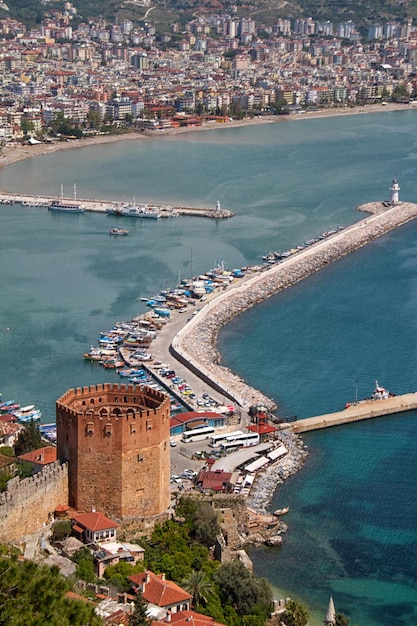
(266, 481)
(195, 344)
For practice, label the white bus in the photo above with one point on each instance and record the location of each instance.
(216, 440)
(241, 441)
(197, 434)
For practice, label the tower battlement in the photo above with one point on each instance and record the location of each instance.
(115, 439)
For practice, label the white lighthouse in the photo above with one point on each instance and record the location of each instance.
(395, 190)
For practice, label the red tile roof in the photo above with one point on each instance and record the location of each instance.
(217, 480)
(95, 521)
(188, 618)
(155, 589)
(41, 456)
(192, 416)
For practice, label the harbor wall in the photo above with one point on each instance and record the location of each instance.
(195, 344)
(357, 413)
(28, 504)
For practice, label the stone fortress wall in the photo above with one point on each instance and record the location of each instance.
(28, 504)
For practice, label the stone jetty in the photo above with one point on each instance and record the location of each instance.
(195, 344)
(102, 206)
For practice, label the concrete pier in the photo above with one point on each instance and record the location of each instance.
(357, 412)
(101, 206)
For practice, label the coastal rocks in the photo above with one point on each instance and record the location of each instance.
(266, 482)
(274, 541)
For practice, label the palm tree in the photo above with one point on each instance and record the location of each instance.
(198, 585)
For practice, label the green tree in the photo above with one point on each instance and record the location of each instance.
(7, 451)
(31, 594)
(295, 614)
(201, 519)
(24, 469)
(29, 439)
(400, 93)
(61, 530)
(27, 126)
(139, 616)
(246, 593)
(4, 479)
(342, 620)
(85, 565)
(118, 575)
(199, 586)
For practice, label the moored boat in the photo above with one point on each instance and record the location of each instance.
(282, 511)
(66, 207)
(379, 393)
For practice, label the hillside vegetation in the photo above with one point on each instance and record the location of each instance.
(361, 12)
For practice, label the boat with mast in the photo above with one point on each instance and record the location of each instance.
(66, 206)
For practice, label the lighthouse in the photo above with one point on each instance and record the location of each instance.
(395, 190)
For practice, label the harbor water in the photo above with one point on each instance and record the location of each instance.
(352, 507)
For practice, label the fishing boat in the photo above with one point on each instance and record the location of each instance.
(118, 231)
(379, 393)
(131, 372)
(282, 511)
(112, 363)
(48, 431)
(98, 354)
(28, 416)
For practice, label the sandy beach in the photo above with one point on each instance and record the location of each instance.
(14, 153)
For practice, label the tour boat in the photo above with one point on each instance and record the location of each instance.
(66, 207)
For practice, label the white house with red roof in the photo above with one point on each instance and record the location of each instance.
(160, 592)
(186, 618)
(94, 527)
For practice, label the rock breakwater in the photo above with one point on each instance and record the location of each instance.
(195, 344)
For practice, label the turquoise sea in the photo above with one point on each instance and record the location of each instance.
(352, 530)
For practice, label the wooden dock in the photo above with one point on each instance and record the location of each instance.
(358, 412)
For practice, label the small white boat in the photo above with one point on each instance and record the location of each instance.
(27, 409)
(282, 511)
(118, 231)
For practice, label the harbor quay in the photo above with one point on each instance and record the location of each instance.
(104, 206)
(357, 412)
(195, 343)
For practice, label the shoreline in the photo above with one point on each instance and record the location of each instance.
(13, 154)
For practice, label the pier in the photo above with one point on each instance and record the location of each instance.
(356, 413)
(101, 206)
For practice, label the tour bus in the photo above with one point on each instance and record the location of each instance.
(244, 440)
(216, 440)
(197, 434)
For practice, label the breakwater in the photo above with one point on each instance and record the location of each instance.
(101, 206)
(357, 412)
(195, 344)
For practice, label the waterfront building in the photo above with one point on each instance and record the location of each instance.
(115, 439)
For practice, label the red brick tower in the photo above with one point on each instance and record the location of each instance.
(115, 439)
